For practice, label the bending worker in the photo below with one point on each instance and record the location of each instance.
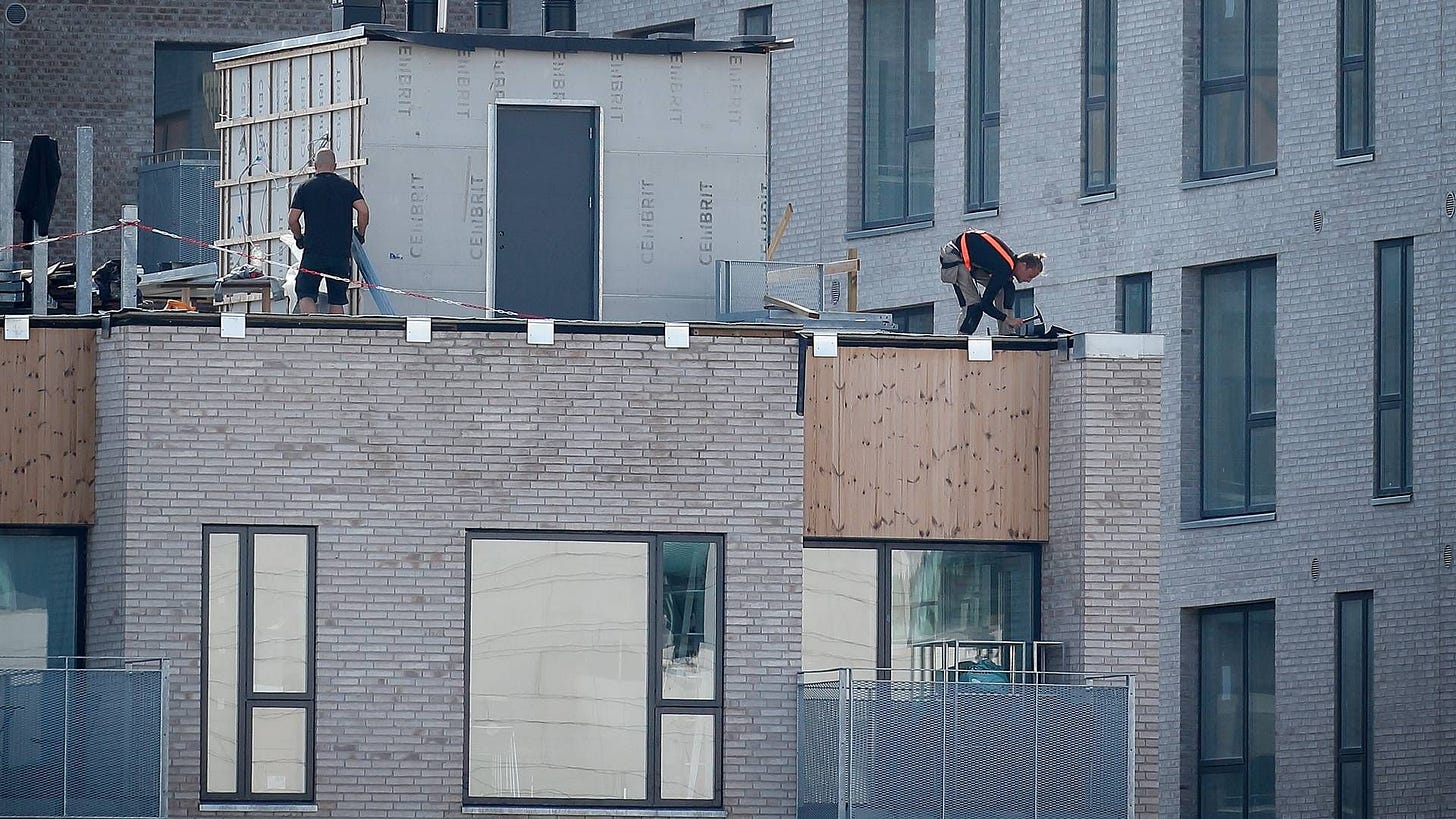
(984, 272)
(327, 203)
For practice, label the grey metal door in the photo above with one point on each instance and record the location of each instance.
(545, 211)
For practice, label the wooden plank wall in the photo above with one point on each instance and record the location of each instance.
(48, 420)
(924, 444)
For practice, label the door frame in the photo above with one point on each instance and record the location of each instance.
(492, 116)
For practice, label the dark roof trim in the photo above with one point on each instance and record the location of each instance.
(521, 42)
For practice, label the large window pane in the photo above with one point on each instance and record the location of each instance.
(1352, 24)
(1134, 307)
(922, 176)
(558, 669)
(222, 662)
(992, 47)
(1391, 457)
(1225, 390)
(1221, 686)
(1098, 46)
(840, 595)
(1261, 338)
(1352, 790)
(1352, 673)
(1224, 129)
(38, 596)
(1356, 116)
(689, 658)
(885, 106)
(185, 97)
(1223, 38)
(939, 599)
(991, 162)
(279, 750)
(1392, 319)
(1221, 795)
(983, 104)
(922, 63)
(1261, 712)
(1097, 148)
(1261, 466)
(688, 765)
(280, 613)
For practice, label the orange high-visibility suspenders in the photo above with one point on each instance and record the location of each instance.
(992, 241)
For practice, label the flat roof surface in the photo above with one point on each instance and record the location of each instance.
(516, 42)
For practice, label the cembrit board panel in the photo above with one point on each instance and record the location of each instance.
(681, 179)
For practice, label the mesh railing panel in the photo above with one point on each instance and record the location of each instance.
(84, 742)
(957, 750)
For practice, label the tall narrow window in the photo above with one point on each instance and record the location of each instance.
(1393, 368)
(1240, 86)
(1099, 61)
(558, 15)
(1238, 400)
(1357, 30)
(595, 670)
(421, 15)
(983, 105)
(258, 626)
(1236, 712)
(756, 21)
(492, 14)
(899, 112)
(1352, 703)
(1135, 303)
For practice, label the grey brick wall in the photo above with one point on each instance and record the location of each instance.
(1100, 566)
(393, 451)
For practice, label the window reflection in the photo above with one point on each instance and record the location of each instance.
(690, 619)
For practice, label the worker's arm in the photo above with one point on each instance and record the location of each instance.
(361, 217)
(296, 225)
(997, 284)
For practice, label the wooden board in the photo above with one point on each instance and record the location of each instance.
(48, 420)
(924, 444)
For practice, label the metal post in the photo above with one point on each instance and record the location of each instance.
(844, 734)
(1131, 747)
(1035, 749)
(7, 197)
(947, 691)
(128, 258)
(40, 280)
(65, 736)
(84, 159)
(166, 762)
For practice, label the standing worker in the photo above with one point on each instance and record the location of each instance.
(984, 271)
(327, 204)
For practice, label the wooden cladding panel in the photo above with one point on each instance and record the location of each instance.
(48, 418)
(922, 443)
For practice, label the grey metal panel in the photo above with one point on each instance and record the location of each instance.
(656, 308)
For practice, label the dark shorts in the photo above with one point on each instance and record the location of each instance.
(306, 285)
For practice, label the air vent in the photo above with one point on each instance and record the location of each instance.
(1314, 569)
(1319, 221)
(1446, 556)
(1450, 204)
(15, 14)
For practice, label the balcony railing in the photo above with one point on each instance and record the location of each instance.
(83, 737)
(964, 744)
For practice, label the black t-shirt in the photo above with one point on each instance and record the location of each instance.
(327, 202)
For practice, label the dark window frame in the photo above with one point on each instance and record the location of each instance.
(1243, 82)
(749, 18)
(1099, 105)
(980, 195)
(550, 8)
(1401, 400)
(913, 134)
(1350, 64)
(884, 601)
(926, 309)
(486, 9)
(1224, 765)
(656, 704)
(79, 533)
(1127, 285)
(1343, 753)
(247, 700)
(1252, 420)
(414, 9)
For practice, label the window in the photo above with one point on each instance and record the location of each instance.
(1357, 33)
(1025, 303)
(919, 318)
(40, 577)
(421, 15)
(258, 627)
(983, 105)
(756, 21)
(578, 693)
(897, 606)
(1352, 703)
(1240, 86)
(186, 102)
(1238, 398)
(687, 27)
(1099, 65)
(558, 15)
(1134, 303)
(1236, 712)
(1393, 368)
(899, 112)
(492, 14)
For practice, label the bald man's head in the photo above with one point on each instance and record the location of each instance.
(324, 161)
